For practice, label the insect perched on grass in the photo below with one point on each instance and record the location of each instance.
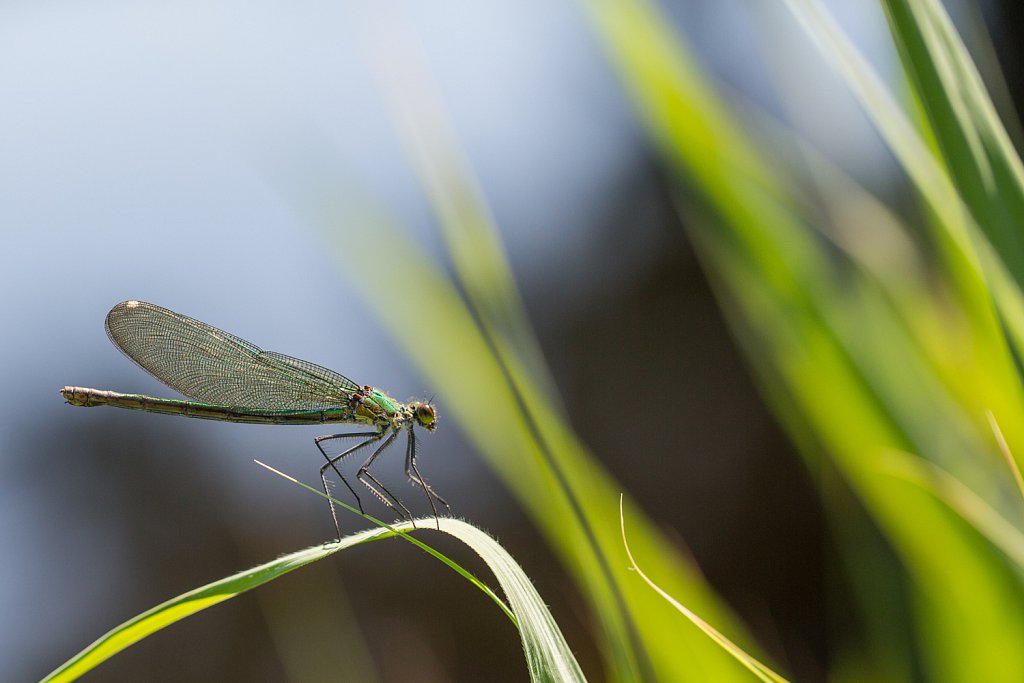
(232, 380)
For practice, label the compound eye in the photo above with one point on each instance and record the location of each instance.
(426, 415)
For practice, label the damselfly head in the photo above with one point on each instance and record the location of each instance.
(425, 414)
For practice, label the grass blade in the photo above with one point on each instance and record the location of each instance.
(757, 668)
(548, 656)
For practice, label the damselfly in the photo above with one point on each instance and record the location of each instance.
(230, 379)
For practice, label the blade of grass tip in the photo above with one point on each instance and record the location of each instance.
(548, 656)
(399, 531)
(191, 602)
(339, 503)
(756, 667)
(1004, 448)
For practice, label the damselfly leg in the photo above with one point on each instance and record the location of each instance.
(413, 473)
(383, 494)
(378, 488)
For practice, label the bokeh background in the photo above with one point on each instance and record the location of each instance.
(151, 151)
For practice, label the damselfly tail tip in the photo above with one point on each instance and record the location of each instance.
(77, 396)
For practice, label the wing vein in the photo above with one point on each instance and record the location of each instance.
(209, 365)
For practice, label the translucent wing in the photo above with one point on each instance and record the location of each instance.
(212, 366)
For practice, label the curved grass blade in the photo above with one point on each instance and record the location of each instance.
(760, 670)
(548, 656)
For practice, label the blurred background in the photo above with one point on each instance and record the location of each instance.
(150, 150)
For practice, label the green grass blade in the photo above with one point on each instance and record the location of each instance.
(973, 142)
(548, 656)
(756, 667)
(974, 148)
(462, 213)
(979, 272)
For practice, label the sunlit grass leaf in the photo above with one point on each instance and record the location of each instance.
(973, 142)
(548, 656)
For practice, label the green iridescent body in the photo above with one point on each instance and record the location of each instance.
(370, 407)
(377, 406)
(81, 396)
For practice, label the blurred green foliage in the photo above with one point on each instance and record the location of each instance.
(884, 348)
